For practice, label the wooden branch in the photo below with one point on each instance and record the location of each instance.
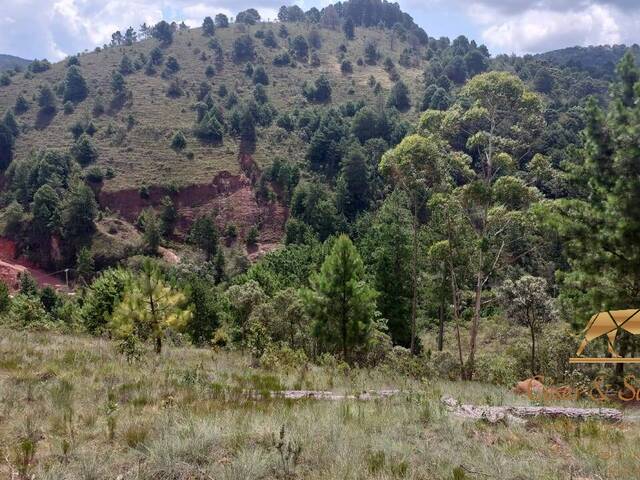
(514, 414)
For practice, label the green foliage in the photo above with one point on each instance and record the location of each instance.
(204, 235)
(178, 141)
(47, 100)
(601, 226)
(353, 186)
(101, 297)
(168, 216)
(243, 48)
(5, 299)
(85, 266)
(340, 301)
(7, 141)
(248, 17)
(526, 301)
(149, 307)
(152, 231)
(84, 150)
(77, 213)
(319, 92)
(399, 97)
(260, 76)
(21, 105)
(300, 47)
(348, 28)
(221, 20)
(163, 32)
(208, 27)
(205, 318)
(312, 204)
(28, 285)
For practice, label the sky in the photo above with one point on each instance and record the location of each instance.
(54, 29)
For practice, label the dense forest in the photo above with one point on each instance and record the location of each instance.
(334, 183)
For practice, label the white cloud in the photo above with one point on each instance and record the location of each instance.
(57, 28)
(544, 25)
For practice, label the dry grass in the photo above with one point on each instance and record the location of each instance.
(142, 155)
(91, 415)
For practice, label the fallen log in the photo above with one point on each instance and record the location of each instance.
(327, 395)
(515, 414)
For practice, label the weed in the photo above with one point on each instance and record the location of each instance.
(289, 453)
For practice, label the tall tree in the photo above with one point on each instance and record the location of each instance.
(494, 121)
(340, 301)
(208, 28)
(601, 224)
(349, 29)
(416, 165)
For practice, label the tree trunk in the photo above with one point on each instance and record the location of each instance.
(159, 344)
(533, 352)
(414, 279)
(441, 326)
(473, 334)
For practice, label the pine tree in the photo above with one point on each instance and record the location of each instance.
(208, 28)
(75, 86)
(85, 266)
(349, 29)
(84, 151)
(168, 216)
(204, 235)
(149, 308)
(601, 225)
(340, 301)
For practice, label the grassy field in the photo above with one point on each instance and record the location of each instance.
(71, 407)
(140, 154)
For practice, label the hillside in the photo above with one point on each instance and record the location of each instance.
(142, 155)
(598, 61)
(8, 62)
(227, 122)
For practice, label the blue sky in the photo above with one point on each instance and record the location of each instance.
(57, 28)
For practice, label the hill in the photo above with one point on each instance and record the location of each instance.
(8, 62)
(598, 61)
(226, 120)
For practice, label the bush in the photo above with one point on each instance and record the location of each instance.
(174, 89)
(319, 92)
(27, 311)
(94, 174)
(260, 76)
(282, 59)
(178, 141)
(84, 151)
(346, 67)
(243, 48)
(101, 297)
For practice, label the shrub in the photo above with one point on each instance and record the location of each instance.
(84, 151)
(174, 89)
(260, 76)
(178, 141)
(94, 174)
(252, 236)
(346, 67)
(243, 48)
(282, 59)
